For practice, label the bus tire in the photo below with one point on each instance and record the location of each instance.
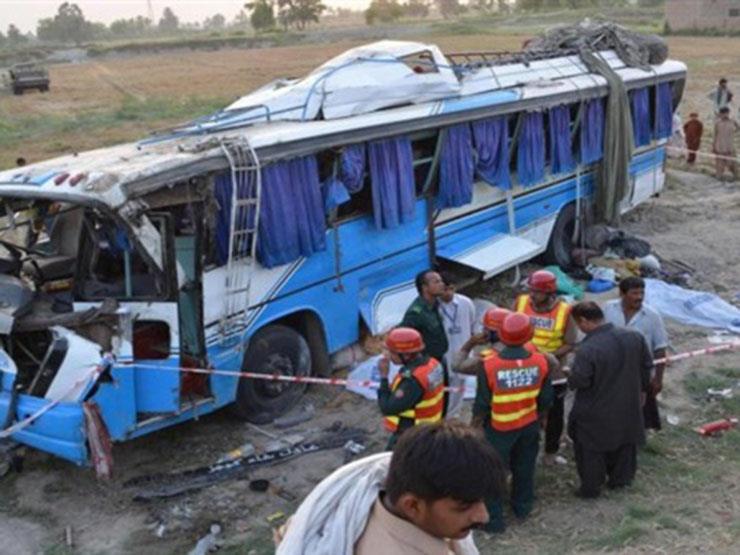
(560, 245)
(275, 349)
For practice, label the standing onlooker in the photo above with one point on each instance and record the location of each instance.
(554, 333)
(721, 97)
(458, 315)
(610, 374)
(724, 143)
(677, 140)
(693, 130)
(423, 316)
(631, 312)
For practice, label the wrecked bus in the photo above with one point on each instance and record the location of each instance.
(270, 235)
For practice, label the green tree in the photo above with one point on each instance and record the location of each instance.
(262, 16)
(416, 8)
(169, 23)
(383, 11)
(15, 36)
(68, 25)
(215, 23)
(299, 12)
(449, 8)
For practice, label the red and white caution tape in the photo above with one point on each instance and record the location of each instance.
(373, 384)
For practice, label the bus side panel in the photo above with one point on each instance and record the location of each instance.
(60, 431)
(117, 402)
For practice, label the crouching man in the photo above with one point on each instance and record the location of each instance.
(425, 498)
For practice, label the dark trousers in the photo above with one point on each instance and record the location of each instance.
(555, 419)
(616, 467)
(650, 413)
(518, 450)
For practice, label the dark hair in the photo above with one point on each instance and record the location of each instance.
(588, 310)
(630, 283)
(723, 80)
(20, 161)
(724, 110)
(448, 459)
(421, 279)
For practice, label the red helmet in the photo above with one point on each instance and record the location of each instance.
(543, 281)
(516, 330)
(494, 317)
(404, 340)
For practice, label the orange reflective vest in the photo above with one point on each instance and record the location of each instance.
(429, 409)
(549, 327)
(515, 386)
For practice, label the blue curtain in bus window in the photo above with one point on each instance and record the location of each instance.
(592, 131)
(561, 150)
(335, 193)
(392, 176)
(352, 167)
(530, 156)
(292, 222)
(640, 102)
(222, 193)
(663, 111)
(456, 167)
(491, 137)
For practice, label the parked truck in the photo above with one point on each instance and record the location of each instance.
(28, 75)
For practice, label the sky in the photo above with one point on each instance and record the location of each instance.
(26, 13)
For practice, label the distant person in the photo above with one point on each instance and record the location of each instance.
(721, 97)
(610, 375)
(416, 395)
(677, 140)
(423, 500)
(423, 316)
(724, 144)
(460, 324)
(693, 129)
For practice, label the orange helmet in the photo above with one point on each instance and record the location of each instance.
(404, 340)
(516, 330)
(494, 317)
(543, 281)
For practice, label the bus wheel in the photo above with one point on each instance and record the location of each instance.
(272, 350)
(561, 244)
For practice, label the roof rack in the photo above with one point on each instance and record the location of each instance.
(474, 60)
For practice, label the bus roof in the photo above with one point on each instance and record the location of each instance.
(112, 176)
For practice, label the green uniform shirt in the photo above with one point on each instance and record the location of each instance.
(425, 319)
(482, 404)
(406, 396)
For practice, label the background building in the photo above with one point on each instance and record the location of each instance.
(703, 14)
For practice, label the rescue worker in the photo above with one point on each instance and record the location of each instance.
(554, 333)
(513, 389)
(485, 344)
(416, 394)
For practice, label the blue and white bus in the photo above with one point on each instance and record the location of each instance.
(274, 233)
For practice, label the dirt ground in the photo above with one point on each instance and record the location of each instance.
(685, 499)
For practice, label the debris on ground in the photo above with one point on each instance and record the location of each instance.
(210, 542)
(714, 428)
(304, 414)
(714, 394)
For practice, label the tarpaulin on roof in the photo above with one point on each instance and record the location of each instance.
(640, 103)
(530, 156)
(663, 111)
(592, 131)
(456, 167)
(561, 146)
(491, 137)
(392, 176)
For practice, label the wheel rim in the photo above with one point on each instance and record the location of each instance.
(278, 364)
